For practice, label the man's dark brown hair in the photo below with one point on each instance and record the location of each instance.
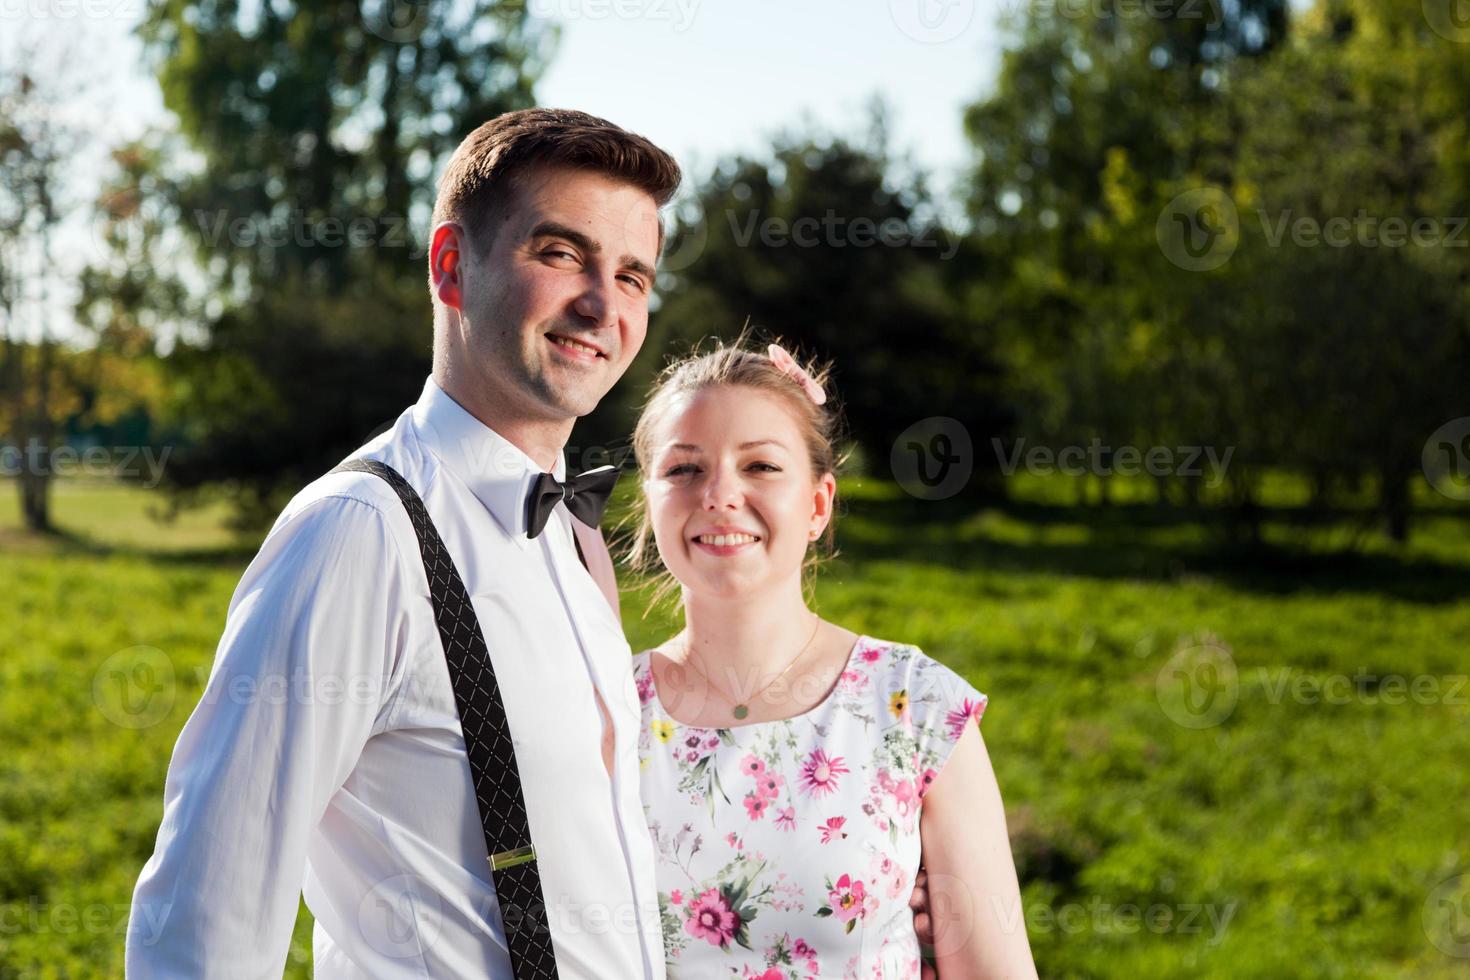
(486, 165)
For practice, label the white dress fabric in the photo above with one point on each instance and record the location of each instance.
(788, 849)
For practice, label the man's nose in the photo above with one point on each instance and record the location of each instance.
(597, 303)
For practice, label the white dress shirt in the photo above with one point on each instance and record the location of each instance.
(325, 755)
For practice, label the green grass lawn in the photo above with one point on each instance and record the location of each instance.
(1209, 767)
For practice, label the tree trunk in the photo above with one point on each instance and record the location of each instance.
(35, 499)
(1394, 499)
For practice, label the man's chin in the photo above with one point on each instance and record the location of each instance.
(578, 403)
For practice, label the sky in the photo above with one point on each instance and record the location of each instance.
(702, 78)
(715, 77)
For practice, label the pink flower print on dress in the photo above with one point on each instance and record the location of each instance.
(958, 718)
(832, 827)
(870, 655)
(820, 771)
(926, 780)
(753, 765)
(906, 798)
(676, 896)
(771, 974)
(786, 819)
(887, 873)
(712, 919)
(769, 785)
(848, 900)
(756, 806)
(896, 798)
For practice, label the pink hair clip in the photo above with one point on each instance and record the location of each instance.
(787, 365)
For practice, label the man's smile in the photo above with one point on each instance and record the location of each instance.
(575, 349)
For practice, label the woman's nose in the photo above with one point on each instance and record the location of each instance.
(722, 490)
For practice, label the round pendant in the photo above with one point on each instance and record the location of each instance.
(740, 711)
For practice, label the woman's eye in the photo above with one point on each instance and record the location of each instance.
(769, 467)
(679, 470)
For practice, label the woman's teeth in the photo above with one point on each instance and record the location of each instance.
(720, 540)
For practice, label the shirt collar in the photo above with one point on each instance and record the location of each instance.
(496, 471)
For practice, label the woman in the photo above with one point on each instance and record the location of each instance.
(796, 774)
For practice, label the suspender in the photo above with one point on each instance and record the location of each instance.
(487, 741)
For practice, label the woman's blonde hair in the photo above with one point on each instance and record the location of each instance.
(736, 364)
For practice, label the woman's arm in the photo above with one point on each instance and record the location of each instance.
(973, 896)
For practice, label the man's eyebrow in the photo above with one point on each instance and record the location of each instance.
(555, 229)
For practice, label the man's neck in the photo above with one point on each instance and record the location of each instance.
(540, 439)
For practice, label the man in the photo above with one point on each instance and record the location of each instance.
(325, 754)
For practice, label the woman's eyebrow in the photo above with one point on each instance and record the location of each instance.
(690, 447)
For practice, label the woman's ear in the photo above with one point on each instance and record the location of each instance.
(823, 499)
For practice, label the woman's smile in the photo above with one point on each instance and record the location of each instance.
(724, 539)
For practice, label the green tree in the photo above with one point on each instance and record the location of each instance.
(320, 126)
(835, 245)
(36, 140)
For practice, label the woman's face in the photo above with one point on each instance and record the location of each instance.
(731, 461)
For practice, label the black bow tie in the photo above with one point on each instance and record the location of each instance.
(586, 495)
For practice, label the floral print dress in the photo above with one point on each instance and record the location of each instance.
(788, 849)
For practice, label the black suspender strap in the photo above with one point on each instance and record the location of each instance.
(487, 741)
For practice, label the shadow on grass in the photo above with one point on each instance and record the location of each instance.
(68, 543)
(1153, 542)
(1148, 542)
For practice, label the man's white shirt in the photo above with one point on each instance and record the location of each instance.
(325, 755)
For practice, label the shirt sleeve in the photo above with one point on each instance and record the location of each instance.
(296, 687)
(941, 706)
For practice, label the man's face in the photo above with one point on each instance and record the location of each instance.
(569, 262)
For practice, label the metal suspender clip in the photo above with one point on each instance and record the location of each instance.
(511, 858)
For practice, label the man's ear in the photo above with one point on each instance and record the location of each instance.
(446, 260)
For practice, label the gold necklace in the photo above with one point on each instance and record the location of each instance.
(742, 708)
